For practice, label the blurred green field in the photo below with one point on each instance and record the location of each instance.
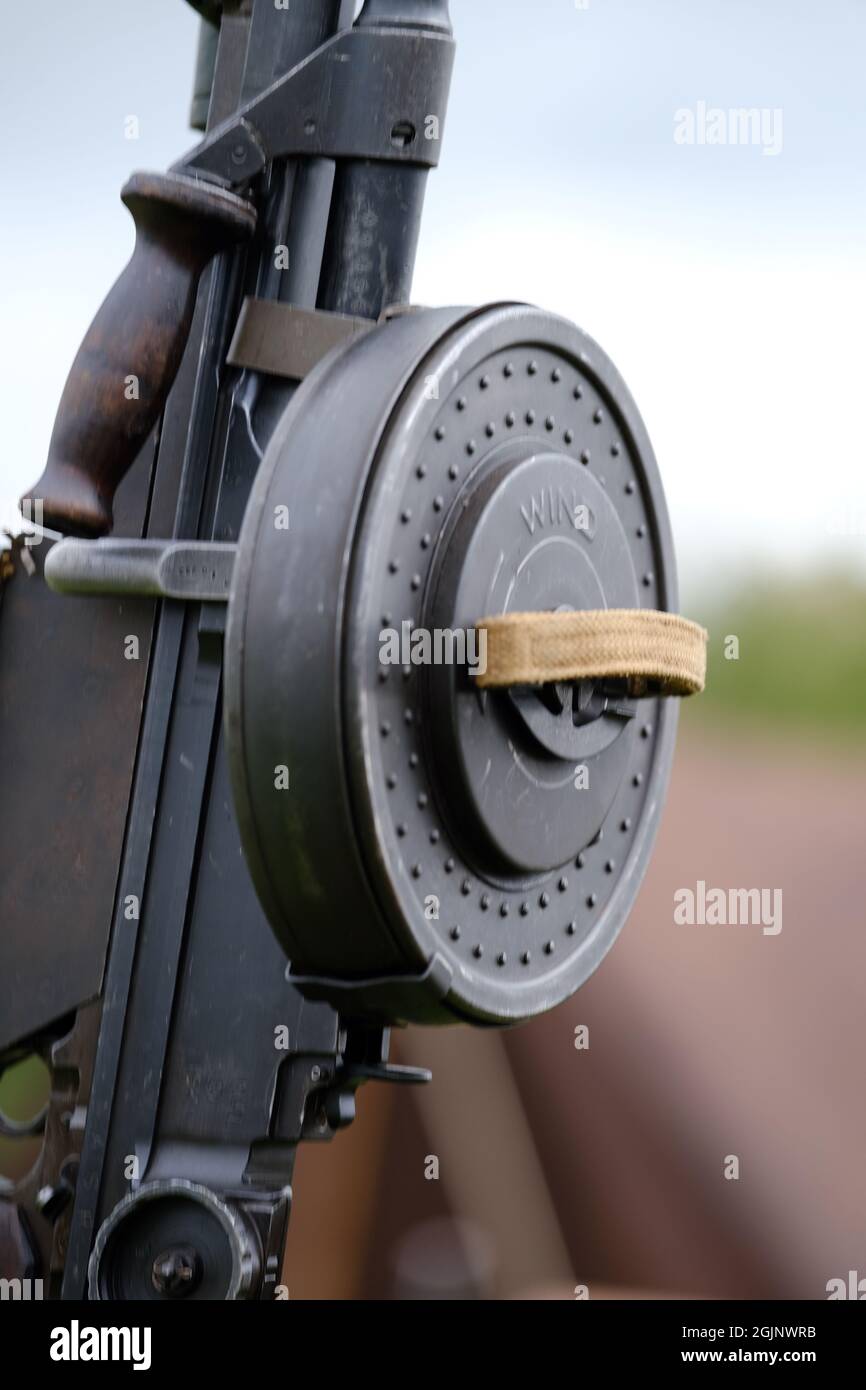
(801, 667)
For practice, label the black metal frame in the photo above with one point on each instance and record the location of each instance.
(175, 1086)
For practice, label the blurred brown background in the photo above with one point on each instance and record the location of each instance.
(605, 1167)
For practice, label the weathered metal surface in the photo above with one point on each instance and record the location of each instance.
(70, 705)
(446, 466)
(408, 70)
(200, 966)
(45, 1195)
(283, 340)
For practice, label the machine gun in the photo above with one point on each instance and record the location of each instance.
(368, 686)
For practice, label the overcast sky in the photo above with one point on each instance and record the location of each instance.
(726, 281)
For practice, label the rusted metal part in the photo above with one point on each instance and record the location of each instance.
(19, 1258)
(64, 815)
(36, 1247)
(286, 341)
(125, 367)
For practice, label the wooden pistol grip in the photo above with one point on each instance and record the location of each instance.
(130, 355)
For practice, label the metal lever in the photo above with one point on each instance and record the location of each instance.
(193, 570)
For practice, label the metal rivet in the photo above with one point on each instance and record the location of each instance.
(461, 403)
(393, 566)
(571, 928)
(509, 419)
(577, 392)
(422, 799)
(478, 951)
(637, 779)
(563, 884)
(578, 863)
(490, 429)
(549, 422)
(485, 901)
(524, 909)
(508, 369)
(648, 579)
(470, 449)
(440, 432)
(544, 900)
(455, 933)
(525, 958)
(501, 958)
(629, 487)
(449, 866)
(425, 541)
(568, 436)
(420, 471)
(416, 870)
(438, 504)
(609, 866)
(466, 888)
(503, 909)
(416, 581)
(413, 759)
(646, 730)
(625, 824)
(530, 417)
(385, 728)
(640, 532)
(401, 831)
(584, 456)
(434, 836)
(591, 900)
(597, 415)
(556, 374)
(484, 383)
(548, 948)
(391, 780)
(532, 368)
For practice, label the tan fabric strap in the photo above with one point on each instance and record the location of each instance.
(658, 653)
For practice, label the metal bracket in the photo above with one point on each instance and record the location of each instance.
(286, 341)
(322, 107)
(193, 570)
(384, 995)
